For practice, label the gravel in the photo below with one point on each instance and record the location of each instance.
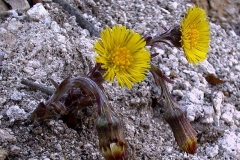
(46, 42)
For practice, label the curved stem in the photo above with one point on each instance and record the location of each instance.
(83, 82)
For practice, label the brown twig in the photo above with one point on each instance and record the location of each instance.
(1, 59)
(40, 87)
(79, 18)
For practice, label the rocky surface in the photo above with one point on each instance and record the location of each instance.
(46, 42)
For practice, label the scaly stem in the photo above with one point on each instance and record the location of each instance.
(165, 91)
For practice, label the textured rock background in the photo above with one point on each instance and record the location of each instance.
(46, 42)
(225, 13)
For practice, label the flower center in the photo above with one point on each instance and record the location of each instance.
(122, 57)
(193, 35)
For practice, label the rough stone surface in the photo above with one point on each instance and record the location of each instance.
(15, 113)
(20, 5)
(15, 150)
(212, 151)
(46, 42)
(3, 153)
(16, 96)
(39, 13)
(3, 6)
(5, 136)
(225, 12)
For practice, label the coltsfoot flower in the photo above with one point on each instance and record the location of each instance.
(184, 134)
(122, 53)
(111, 138)
(195, 36)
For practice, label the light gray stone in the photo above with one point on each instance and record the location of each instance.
(206, 67)
(191, 112)
(7, 37)
(62, 39)
(16, 96)
(34, 64)
(28, 70)
(15, 149)
(14, 26)
(230, 143)
(195, 96)
(237, 115)
(208, 114)
(55, 27)
(237, 68)
(227, 117)
(3, 153)
(177, 93)
(183, 60)
(173, 5)
(5, 136)
(39, 13)
(15, 113)
(59, 147)
(212, 151)
(217, 98)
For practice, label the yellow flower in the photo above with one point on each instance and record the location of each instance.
(195, 35)
(122, 54)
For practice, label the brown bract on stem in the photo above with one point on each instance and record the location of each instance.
(184, 134)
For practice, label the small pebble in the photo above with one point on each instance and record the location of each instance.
(212, 151)
(15, 149)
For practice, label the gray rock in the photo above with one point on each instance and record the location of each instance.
(39, 13)
(15, 113)
(20, 5)
(212, 151)
(183, 60)
(177, 93)
(191, 112)
(3, 7)
(28, 70)
(237, 114)
(2, 100)
(3, 153)
(59, 147)
(14, 26)
(15, 149)
(208, 114)
(34, 64)
(237, 68)
(206, 67)
(5, 136)
(217, 98)
(173, 5)
(195, 96)
(230, 143)
(227, 117)
(55, 27)
(16, 96)
(7, 37)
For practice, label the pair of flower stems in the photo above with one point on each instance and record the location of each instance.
(122, 55)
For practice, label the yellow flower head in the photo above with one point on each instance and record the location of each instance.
(195, 35)
(122, 54)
